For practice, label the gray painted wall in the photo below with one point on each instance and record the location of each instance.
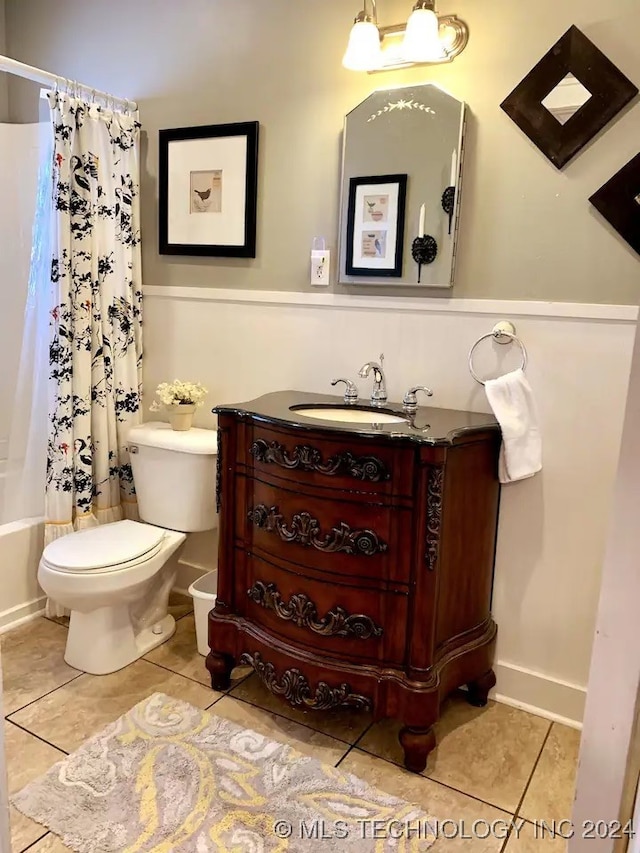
(527, 230)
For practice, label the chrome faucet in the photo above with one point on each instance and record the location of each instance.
(379, 393)
(410, 399)
(350, 391)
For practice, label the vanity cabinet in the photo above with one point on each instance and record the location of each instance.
(355, 561)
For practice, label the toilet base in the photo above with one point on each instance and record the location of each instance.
(103, 640)
(150, 638)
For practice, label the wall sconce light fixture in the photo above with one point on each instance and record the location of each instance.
(425, 38)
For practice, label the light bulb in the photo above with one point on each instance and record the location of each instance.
(363, 51)
(422, 37)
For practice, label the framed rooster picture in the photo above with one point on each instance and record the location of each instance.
(208, 190)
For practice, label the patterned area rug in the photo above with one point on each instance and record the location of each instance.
(168, 777)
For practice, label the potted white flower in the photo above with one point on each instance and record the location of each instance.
(180, 400)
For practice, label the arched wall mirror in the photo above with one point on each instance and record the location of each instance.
(401, 188)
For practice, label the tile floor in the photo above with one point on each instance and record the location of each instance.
(490, 764)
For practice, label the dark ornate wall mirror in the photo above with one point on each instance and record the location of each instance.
(401, 188)
(570, 95)
(619, 202)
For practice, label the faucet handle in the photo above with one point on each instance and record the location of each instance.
(350, 391)
(410, 399)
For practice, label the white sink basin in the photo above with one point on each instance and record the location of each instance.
(350, 416)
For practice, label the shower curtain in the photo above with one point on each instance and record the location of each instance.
(95, 342)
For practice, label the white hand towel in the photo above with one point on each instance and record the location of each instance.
(511, 399)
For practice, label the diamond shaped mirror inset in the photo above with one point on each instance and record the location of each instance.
(565, 100)
(568, 97)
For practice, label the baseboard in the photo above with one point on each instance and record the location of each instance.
(22, 613)
(540, 694)
(187, 574)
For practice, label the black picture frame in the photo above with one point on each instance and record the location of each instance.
(247, 247)
(619, 202)
(610, 92)
(351, 268)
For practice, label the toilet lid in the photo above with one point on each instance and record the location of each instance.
(102, 547)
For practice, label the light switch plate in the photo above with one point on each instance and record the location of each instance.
(320, 267)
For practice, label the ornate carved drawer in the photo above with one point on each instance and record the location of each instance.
(343, 538)
(334, 618)
(312, 459)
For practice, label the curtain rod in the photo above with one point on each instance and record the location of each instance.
(12, 66)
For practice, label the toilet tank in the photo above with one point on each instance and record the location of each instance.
(174, 473)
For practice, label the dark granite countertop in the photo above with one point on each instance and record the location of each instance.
(428, 425)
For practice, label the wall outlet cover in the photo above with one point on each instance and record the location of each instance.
(320, 267)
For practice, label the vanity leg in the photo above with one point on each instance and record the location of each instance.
(417, 744)
(220, 666)
(479, 689)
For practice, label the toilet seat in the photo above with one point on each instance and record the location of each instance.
(107, 548)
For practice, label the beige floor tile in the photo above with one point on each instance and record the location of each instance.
(180, 605)
(49, 844)
(343, 725)
(33, 662)
(382, 740)
(458, 814)
(551, 790)
(313, 743)
(488, 753)
(82, 708)
(27, 758)
(180, 654)
(59, 620)
(529, 840)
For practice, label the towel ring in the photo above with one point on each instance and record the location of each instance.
(500, 330)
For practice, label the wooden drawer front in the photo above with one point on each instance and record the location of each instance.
(342, 538)
(327, 617)
(329, 463)
(308, 690)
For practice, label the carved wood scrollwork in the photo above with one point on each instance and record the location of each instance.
(305, 530)
(434, 514)
(310, 459)
(301, 610)
(219, 473)
(295, 688)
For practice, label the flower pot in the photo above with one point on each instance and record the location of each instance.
(181, 416)
(377, 215)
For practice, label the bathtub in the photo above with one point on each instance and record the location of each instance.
(21, 540)
(21, 544)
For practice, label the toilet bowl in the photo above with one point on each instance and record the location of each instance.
(116, 578)
(99, 574)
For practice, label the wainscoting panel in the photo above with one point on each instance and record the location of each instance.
(552, 527)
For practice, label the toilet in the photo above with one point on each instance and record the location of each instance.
(116, 578)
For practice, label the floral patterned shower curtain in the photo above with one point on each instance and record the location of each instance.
(95, 351)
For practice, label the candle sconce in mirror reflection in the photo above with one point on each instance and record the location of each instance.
(424, 249)
(449, 203)
(449, 195)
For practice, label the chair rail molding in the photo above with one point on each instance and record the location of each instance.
(413, 305)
